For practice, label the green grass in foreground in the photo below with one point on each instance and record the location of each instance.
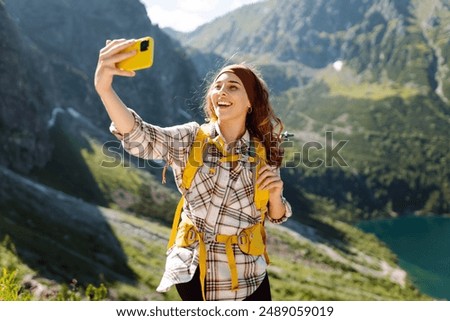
(302, 269)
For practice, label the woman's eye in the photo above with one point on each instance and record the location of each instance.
(233, 87)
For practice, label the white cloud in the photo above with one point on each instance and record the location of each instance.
(198, 5)
(188, 15)
(239, 3)
(176, 19)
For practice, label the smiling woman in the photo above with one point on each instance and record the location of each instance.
(227, 171)
(240, 87)
(229, 101)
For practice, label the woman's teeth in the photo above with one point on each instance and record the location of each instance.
(223, 104)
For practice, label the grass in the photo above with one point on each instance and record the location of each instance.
(12, 271)
(396, 149)
(309, 273)
(344, 83)
(104, 174)
(301, 269)
(10, 288)
(117, 180)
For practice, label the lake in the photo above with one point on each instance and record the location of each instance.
(422, 245)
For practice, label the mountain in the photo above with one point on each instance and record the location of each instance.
(373, 74)
(75, 206)
(24, 108)
(69, 61)
(404, 38)
(56, 144)
(59, 42)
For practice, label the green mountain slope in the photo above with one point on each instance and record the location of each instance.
(373, 74)
(315, 260)
(83, 209)
(396, 151)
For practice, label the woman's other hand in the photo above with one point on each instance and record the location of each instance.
(269, 179)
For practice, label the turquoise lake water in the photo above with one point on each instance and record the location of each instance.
(422, 245)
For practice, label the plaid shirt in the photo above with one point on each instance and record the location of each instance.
(219, 201)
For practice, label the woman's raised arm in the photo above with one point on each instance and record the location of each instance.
(104, 75)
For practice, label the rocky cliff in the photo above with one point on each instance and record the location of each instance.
(67, 36)
(24, 107)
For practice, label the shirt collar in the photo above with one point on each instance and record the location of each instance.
(242, 144)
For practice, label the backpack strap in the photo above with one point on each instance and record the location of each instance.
(176, 221)
(194, 162)
(261, 197)
(195, 159)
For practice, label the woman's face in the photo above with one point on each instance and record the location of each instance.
(229, 98)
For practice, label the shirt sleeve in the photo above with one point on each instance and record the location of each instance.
(148, 141)
(287, 213)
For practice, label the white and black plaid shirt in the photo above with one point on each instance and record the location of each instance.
(219, 201)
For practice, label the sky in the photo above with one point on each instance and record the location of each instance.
(189, 14)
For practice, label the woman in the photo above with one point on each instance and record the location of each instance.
(209, 259)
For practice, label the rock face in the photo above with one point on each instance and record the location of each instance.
(57, 234)
(49, 53)
(70, 35)
(24, 108)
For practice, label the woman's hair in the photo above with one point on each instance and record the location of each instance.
(261, 122)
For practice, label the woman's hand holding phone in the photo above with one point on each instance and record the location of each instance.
(109, 57)
(120, 57)
(143, 58)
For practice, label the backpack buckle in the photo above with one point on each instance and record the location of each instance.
(242, 239)
(191, 235)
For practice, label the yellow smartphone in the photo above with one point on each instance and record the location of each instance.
(143, 58)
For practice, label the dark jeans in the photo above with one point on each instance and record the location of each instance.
(192, 290)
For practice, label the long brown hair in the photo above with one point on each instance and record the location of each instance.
(262, 123)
